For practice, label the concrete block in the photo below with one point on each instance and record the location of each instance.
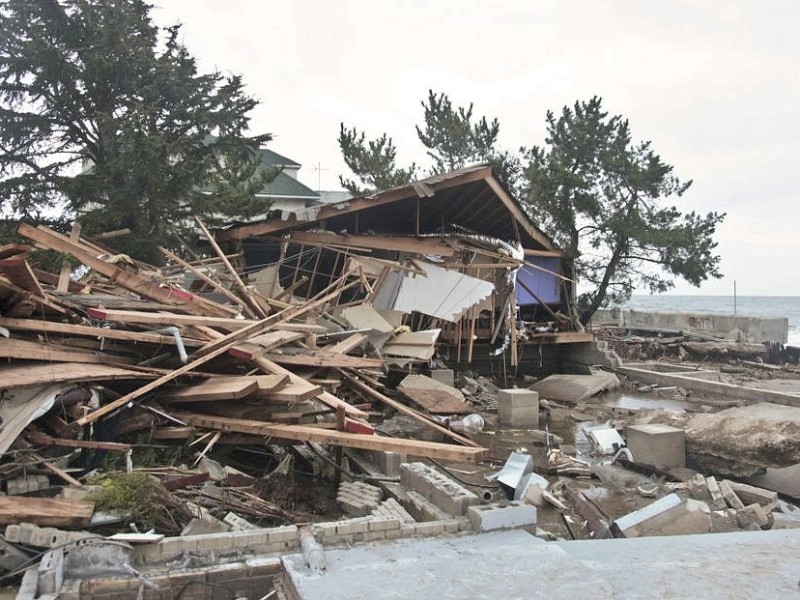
(51, 572)
(237, 523)
(445, 376)
(11, 557)
(383, 524)
(717, 499)
(27, 484)
(730, 496)
(658, 445)
(388, 462)
(443, 491)
(698, 488)
(666, 516)
(753, 515)
(502, 516)
(260, 566)
(518, 408)
(750, 494)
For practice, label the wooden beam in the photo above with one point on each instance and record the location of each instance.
(128, 280)
(520, 215)
(166, 318)
(353, 206)
(337, 438)
(237, 281)
(426, 245)
(27, 350)
(221, 289)
(95, 332)
(402, 408)
(45, 440)
(66, 268)
(325, 359)
(46, 512)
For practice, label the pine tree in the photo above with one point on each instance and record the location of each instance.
(106, 116)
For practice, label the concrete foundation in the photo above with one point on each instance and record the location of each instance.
(514, 564)
(658, 445)
(753, 329)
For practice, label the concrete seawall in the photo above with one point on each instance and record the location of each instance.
(748, 328)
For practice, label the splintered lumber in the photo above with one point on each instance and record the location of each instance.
(45, 440)
(222, 289)
(258, 345)
(216, 388)
(325, 359)
(337, 438)
(97, 332)
(16, 376)
(130, 281)
(27, 350)
(402, 408)
(45, 512)
(166, 318)
(298, 390)
(19, 272)
(123, 400)
(348, 344)
(256, 309)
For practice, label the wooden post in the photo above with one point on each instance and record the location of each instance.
(63, 278)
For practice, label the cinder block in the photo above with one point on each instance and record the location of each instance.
(753, 515)
(27, 484)
(502, 516)
(445, 376)
(443, 491)
(383, 524)
(260, 565)
(388, 462)
(518, 407)
(658, 445)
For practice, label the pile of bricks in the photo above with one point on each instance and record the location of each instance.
(358, 498)
(392, 509)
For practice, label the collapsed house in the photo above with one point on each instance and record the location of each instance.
(452, 257)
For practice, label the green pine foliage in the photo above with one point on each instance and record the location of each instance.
(602, 199)
(106, 117)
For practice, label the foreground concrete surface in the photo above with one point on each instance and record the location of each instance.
(514, 564)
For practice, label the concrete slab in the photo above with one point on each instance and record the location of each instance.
(506, 565)
(574, 388)
(516, 565)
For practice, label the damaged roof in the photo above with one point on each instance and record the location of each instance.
(470, 198)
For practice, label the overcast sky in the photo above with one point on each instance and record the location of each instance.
(714, 85)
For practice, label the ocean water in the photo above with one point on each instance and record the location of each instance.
(753, 306)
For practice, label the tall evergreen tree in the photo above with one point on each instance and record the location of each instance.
(601, 196)
(452, 136)
(105, 114)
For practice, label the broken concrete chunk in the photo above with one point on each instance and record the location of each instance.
(753, 514)
(730, 496)
(750, 494)
(661, 446)
(667, 516)
(698, 488)
(574, 388)
(717, 500)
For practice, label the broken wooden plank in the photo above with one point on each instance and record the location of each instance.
(325, 359)
(130, 281)
(258, 345)
(166, 318)
(46, 512)
(45, 440)
(17, 375)
(27, 350)
(215, 388)
(138, 393)
(338, 438)
(98, 332)
(402, 408)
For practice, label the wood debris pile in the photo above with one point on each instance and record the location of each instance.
(129, 356)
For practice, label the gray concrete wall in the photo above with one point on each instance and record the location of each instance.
(755, 329)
